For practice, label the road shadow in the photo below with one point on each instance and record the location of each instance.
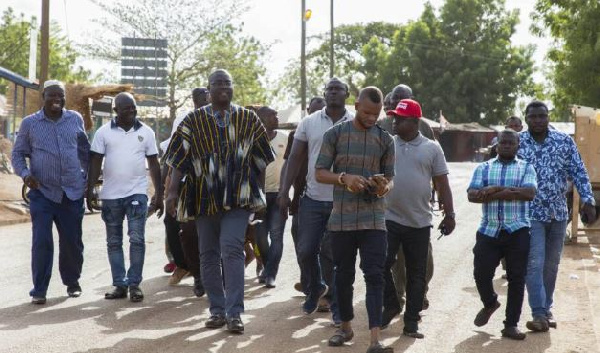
(500, 286)
(485, 342)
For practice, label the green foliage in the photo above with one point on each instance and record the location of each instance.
(201, 35)
(15, 37)
(460, 61)
(575, 27)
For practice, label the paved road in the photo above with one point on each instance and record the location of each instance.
(171, 320)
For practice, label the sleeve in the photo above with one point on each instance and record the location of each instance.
(388, 160)
(576, 170)
(288, 147)
(262, 152)
(301, 133)
(328, 150)
(98, 143)
(439, 161)
(151, 149)
(22, 149)
(83, 147)
(477, 179)
(178, 152)
(530, 178)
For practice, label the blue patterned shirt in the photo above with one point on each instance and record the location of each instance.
(58, 154)
(554, 160)
(510, 215)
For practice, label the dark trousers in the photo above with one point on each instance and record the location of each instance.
(183, 243)
(67, 216)
(415, 243)
(372, 246)
(488, 251)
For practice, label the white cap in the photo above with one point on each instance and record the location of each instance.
(50, 83)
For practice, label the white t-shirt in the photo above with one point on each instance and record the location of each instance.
(273, 172)
(124, 172)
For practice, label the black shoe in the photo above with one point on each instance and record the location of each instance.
(483, 316)
(551, 320)
(311, 303)
(215, 321)
(235, 325)
(388, 315)
(135, 294)
(339, 338)
(74, 290)
(538, 324)
(38, 300)
(270, 282)
(412, 334)
(425, 303)
(119, 292)
(198, 287)
(513, 333)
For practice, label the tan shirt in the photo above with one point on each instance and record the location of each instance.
(273, 171)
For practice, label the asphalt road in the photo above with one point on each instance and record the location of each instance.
(171, 319)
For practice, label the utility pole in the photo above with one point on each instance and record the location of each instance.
(331, 62)
(45, 52)
(303, 61)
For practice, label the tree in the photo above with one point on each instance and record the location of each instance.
(575, 72)
(201, 36)
(15, 38)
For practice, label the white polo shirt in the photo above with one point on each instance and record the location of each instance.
(311, 130)
(124, 172)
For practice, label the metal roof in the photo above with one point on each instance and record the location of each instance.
(18, 79)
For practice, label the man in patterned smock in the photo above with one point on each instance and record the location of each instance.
(224, 148)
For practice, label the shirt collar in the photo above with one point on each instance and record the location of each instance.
(136, 124)
(550, 137)
(496, 160)
(414, 142)
(345, 117)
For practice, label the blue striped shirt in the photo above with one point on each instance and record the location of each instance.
(510, 215)
(58, 154)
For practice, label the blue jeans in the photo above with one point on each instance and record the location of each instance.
(67, 216)
(135, 207)
(545, 249)
(221, 237)
(272, 226)
(372, 245)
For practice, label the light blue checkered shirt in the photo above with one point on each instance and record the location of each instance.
(509, 215)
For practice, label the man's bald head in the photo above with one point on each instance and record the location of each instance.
(399, 93)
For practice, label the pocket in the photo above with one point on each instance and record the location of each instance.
(137, 207)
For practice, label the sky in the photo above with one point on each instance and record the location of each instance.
(277, 22)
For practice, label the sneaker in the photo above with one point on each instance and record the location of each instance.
(170, 267)
(538, 324)
(483, 316)
(513, 333)
(74, 290)
(177, 276)
(312, 300)
(38, 300)
(323, 306)
(215, 321)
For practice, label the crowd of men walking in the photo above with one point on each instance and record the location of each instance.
(362, 185)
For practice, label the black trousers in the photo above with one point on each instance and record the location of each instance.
(183, 243)
(415, 244)
(488, 251)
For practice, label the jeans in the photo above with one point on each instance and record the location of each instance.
(272, 226)
(294, 230)
(135, 208)
(67, 216)
(221, 237)
(372, 245)
(183, 243)
(487, 253)
(547, 239)
(415, 243)
(399, 274)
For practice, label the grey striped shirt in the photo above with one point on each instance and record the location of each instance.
(58, 154)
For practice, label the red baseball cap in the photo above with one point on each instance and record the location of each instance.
(407, 108)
